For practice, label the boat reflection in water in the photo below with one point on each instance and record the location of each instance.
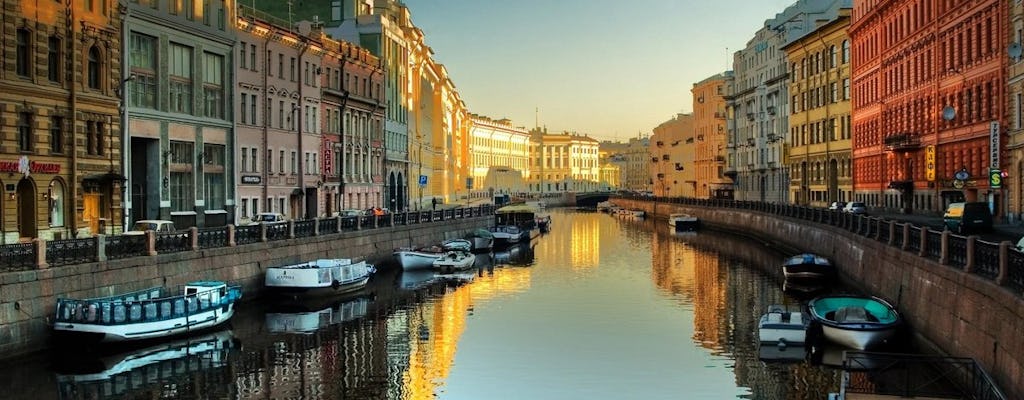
(518, 254)
(307, 317)
(153, 368)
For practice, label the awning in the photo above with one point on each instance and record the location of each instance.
(107, 177)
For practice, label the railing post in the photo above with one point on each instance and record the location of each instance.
(924, 241)
(40, 246)
(316, 226)
(337, 224)
(101, 247)
(944, 249)
(892, 233)
(376, 222)
(151, 243)
(231, 236)
(906, 237)
(391, 219)
(193, 233)
(291, 229)
(1004, 262)
(878, 230)
(971, 242)
(359, 222)
(263, 232)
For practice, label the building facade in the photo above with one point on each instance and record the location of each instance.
(929, 95)
(180, 129)
(499, 156)
(566, 162)
(634, 161)
(709, 123)
(819, 153)
(1014, 182)
(673, 157)
(61, 78)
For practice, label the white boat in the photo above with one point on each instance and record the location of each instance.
(457, 244)
(147, 314)
(455, 261)
(782, 327)
(483, 239)
(418, 258)
(603, 206)
(857, 322)
(508, 234)
(324, 276)
(681, 222)
(304, 320)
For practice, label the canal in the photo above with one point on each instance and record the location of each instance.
(601, 307)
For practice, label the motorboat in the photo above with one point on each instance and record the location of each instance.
(505, 235)
(857, 322)
(808, 266)
(457, 244)
(681, 222)
(455, 261)
(417, 258)
(147, 314)
(781, 326)
(482, 239)
(603, 206)
(322, 276)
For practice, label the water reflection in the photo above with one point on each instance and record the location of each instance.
(600, 307)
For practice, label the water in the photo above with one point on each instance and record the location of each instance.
(600, 308)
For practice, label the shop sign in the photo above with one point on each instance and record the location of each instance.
(24, 166)
(252, 179)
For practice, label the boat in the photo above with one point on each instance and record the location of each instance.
(544, 222)
(636, 213)
(781, 326)
(111, 374)
(603, 206)
(323, 276)
(681, 222)
(417, 258)
(303, 319)
(455, 261)
(808, 266)
(505, 235)
(857, 322)
(482, 239)
(514, 223)
(147, 314)
(457, 244)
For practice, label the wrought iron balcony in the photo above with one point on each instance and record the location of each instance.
(902, 142)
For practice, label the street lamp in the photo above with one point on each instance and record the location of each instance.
(125, 146)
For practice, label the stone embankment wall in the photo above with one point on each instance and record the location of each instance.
(28, 298)
(961, 314)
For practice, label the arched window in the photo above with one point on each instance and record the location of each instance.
(831, 56)
(56, 203)
(94, 68)
(846, 51)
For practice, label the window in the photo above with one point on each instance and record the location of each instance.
(244, 109)
(831, 56)
(56, 135)
(270, 161)
(213, 85)
(142, 56)
(252, 108)
(94, 68)
(254, 155)
(182, 187)
(22, 57)
(280, 163)
(245, 159)
(280, 115)
(242, 57)
(291, 70)
(53, 59)
(280, 65)
(94, 138)
(213, 176)
(252, 57)
(294, 164)
(846, 51)
(846, 88)
(56, 203)
(25, 131)
(180, 74)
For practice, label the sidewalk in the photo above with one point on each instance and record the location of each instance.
(1001, 230)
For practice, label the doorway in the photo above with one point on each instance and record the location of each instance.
(27, 210)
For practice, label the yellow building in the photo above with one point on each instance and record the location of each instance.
(563, 162)
(1014, 183)
(499, 156)
(450, 142)
(819, 151)
(609, 175)
(709, 125)
(673, 152)
(634, 161)
(61, 149)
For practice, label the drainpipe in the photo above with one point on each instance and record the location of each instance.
(266, 122)
(342, 171)
(73, 182)
(125, 134)
(300, 120)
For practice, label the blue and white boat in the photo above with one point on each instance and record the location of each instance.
(857, 322)
(147, 314)
(323, 276)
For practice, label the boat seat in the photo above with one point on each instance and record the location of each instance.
(775, 318)
(796, 318)
(854, 314)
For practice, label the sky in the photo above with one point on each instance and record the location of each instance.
(608, 69)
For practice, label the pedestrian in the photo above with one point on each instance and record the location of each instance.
(433, 203)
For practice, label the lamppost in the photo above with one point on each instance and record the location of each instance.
(125, 144)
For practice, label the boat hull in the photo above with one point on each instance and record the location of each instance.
(457, 262)
(856, 322)
(482, 243)
(320, 277)
(858, 339)
(413, 260)
(808, 267)
(149, 329)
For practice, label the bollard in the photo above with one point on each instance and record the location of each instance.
(231, 236)
(944, 249)
(150, 243)
(193, 233)
(969, 262)
(101, 247)
(40, 246)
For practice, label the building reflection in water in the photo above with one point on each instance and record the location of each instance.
(576, 244)
(729, 282)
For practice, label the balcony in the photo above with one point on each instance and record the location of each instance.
(720, 158)
(771, 110)
(902, 142)
(750, 116)
(719, 115)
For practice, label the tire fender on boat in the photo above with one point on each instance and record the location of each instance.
(335, 284)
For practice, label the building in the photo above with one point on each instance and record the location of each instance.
(634, 161)
(929, 95)
(673, 154)
(609, 175)
(499, 156)
(819, 154)
(709, 122)
(179, 154)
(1014, 182)
(61, 79)
(566, 162)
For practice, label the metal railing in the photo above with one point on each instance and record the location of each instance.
(40, 253)
(913, 375)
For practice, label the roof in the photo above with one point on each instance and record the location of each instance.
(517, 208)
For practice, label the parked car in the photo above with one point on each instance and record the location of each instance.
(156, 225)
(855, 207)
(837, 205)
(269, 218)
(968, 217)
(349, 213)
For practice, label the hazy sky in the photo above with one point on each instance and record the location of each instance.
(606, 68)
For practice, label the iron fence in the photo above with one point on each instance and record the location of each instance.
(173, 242)
(246, 234)
(915, 239)
(277, 232)
(305, 228)
(1015, 271)
(957, 251)
(934, 244)
(897, 239)
(70, 251)
(327, 226)
(911, 375)
(124, 246)
(212, 237)
(349, 223)
(986, 259)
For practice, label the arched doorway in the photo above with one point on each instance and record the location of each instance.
(390, 200)
(27, 209)
(402, 198)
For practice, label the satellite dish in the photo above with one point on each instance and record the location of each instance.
(948, 113)
(1014, 50)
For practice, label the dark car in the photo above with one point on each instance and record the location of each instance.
(968, 217)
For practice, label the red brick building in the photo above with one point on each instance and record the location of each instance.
(929, 88)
